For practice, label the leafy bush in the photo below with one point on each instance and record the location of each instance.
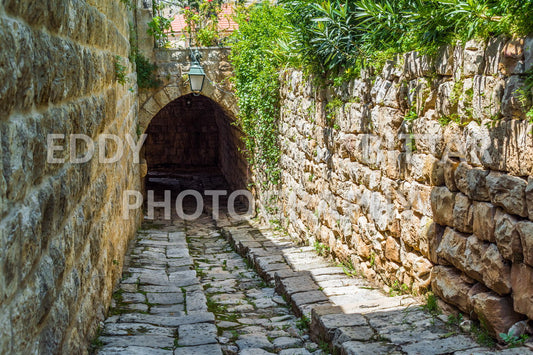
(335, 34)
(201, 18)
(158, 27)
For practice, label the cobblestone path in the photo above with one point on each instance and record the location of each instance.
(185, 291)
(204, 287)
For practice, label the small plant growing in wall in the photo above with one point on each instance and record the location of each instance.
(513, 340)
(332, 110)
(120, 70)
(146, 78)
(431, 305)
(398, 289)
(321, 249)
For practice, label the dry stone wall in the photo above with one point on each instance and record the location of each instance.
(62, 236)
(420, 175)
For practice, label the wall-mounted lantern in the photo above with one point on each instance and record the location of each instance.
(196, 73)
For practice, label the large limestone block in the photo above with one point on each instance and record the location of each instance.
(528, 53)
(472, 182)
(483, 220)
(512, 59)
(385, 93)
(512, 102)
(444, 62)
(496, 312)
(415, 230)
(442, 205)
(525, 231)
(419, 196)
(446, 282)
(493, 55)
(522, 281)
(508, 192)
(479, 260)
(507, 237)
(473, 57)
(428, 134)
(478, 144)
(444, 105)
(463, 214)
(450, 165)
(496, 271)
(529, 198)
(392, 249)
(434, 236)
(472, 260)
(487, 97)
(452, 247)
(425, 168)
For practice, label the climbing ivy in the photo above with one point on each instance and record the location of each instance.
(257, 85)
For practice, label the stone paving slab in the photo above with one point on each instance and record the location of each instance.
(133, 350)
(210, 349)
(197, 334)
(150, 341)
(251, 318)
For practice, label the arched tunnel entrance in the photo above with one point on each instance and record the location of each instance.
(192, 144)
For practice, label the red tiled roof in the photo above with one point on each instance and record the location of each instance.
(225, 21)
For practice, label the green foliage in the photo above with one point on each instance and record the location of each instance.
(348, 268)
(398, 289)
(411, 115)
(158, 27)
(454, 319)
(201, 18)
(130, 4)
(324, 346)
(257, 86)
(335, 34)
(431, 305)
(321, 249)
(481, 334)
(513, 340)
(96, 342)
(120, 71)
(303, 323)
(332, 110)
(146, 78)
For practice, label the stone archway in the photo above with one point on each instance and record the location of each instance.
(195, 135)
(165, 95)
(172, 69)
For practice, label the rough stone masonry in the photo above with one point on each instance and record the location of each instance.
(420, 176)
(62, 236)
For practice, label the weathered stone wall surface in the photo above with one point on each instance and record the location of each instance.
(421, 175)
(62, 236)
